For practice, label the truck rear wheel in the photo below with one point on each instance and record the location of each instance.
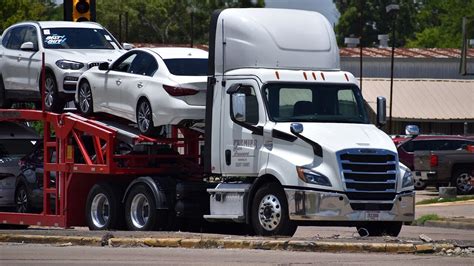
(103, 208)
(140, 210)
(270, 212)
(462, 181)
(380, 229)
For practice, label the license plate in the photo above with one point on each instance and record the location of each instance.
(372, 216)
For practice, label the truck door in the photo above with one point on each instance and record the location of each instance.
(242, 129)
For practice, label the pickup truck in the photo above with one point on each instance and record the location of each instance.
(455, 168)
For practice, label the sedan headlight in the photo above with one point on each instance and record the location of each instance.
(66, 64)
(408, 179)
(312, 177)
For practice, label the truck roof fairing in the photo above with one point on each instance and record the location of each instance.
(271, 38)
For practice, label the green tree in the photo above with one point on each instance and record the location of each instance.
(440, 23)
(163, 21)
(13, 11)
(375, 20)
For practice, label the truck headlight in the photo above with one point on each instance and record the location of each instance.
(66, 64)
(408, 179)
(312, 177)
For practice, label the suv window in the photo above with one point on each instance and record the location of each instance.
(77, 38)
(16, 37)
(31, 36)
(6, 37)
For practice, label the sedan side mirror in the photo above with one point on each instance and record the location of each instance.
(104, 66)
(381, 111)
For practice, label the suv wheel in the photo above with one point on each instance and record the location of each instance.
(22, 200)
(4, 102)
(52, 101)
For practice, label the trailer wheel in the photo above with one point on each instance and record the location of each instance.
(270, 212)
(103, 208)
(462, 180)
(85, 98)
(380, 229)
(140, 209)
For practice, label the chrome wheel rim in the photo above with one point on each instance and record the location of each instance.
(144, 117)
(463, 182)
(269, 212)
(49, 92)
(22, 201)
(85, 97)
(140, 210)
(100, 210)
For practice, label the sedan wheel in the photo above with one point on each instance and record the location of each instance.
(145, 119)
(22, 200)
(85, 98)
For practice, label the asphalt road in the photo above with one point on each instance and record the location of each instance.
(26, 254)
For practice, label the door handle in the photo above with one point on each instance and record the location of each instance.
(118, 82)
(227, 157)
(19, 58)
(140, 85)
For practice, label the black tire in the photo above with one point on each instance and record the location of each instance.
(461, 179)
(4, 102)
(85, 99)
(420, 185)
(52, 100)
(269, 216)
(22, 200)
(104, 210)
(380, 229)
(140, 210)
(144, 116)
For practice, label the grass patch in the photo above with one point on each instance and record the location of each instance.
(438, 200)
(424, 218)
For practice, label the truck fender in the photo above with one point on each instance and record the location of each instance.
(155, 187)
(253, 189)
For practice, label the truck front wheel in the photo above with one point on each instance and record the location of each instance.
(270, 212)
(380, 229)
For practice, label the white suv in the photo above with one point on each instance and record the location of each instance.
(70, 48)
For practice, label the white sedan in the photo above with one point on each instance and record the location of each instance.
(148, 86)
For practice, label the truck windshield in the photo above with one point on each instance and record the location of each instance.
(77, 38)
(315, 103)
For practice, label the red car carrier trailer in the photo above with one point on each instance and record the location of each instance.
(78, 168)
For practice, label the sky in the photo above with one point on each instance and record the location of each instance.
(325, 7)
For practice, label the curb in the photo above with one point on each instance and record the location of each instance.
(205, 243)
(449, 224)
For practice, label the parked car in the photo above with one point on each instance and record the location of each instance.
(70, 48)
(407, 147)
(29, 182)
(453, 168)
(148, 86)
(16, 140)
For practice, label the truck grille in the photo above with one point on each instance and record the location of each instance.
(369, 174)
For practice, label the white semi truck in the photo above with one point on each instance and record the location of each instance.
(287, 142)
(283, 117)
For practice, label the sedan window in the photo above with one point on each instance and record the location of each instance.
(144, 64)
(187, 66)
(123, 64)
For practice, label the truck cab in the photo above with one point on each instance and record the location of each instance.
(286, 124)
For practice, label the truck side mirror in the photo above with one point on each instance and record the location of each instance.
(412, 130)
(296, 128)
(238, 106)
(381, 111)
(104, 66)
